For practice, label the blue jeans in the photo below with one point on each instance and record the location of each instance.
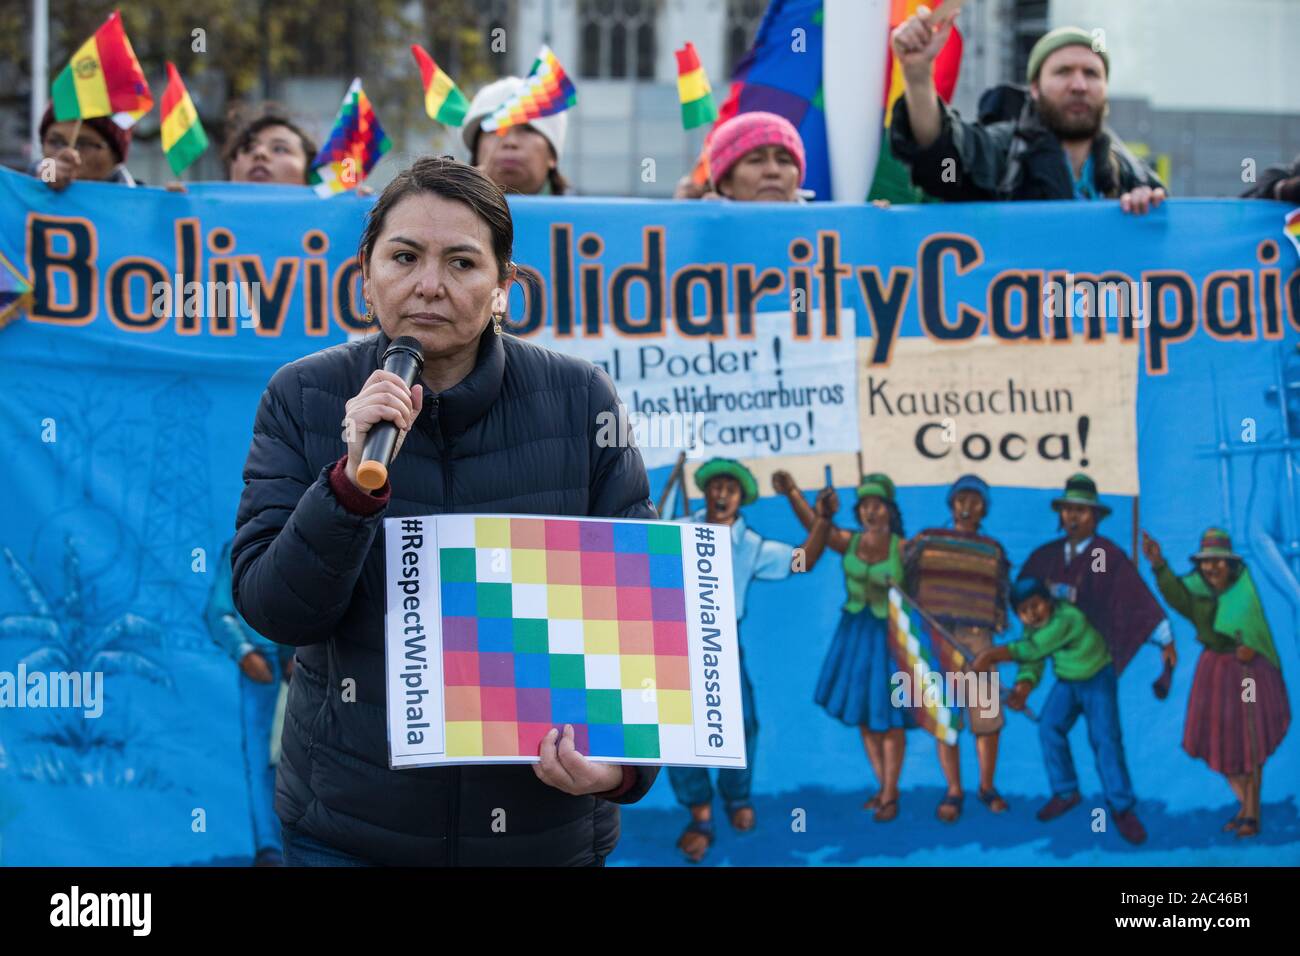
(1096, 699)
(302, 850)
(691, 784)
(257, 716)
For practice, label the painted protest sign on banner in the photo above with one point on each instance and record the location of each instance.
(1028, 416)
(127, 402)
(771, 393)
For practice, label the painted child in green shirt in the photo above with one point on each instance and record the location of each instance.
(1085, 684)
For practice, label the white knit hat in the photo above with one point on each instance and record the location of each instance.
(485, 103)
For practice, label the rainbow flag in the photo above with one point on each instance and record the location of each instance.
(443, 100)
(15, 291)
(103, 78)
(776, 77)
(920, 647)
(355, 144)
(893, 180)
(183, 138)
(547, 90)
(693, 89)
(1292, 228)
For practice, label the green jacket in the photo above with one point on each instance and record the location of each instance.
(1222, 621)
(868, 584)
(1077, 649)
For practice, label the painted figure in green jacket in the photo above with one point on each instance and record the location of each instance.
(1237, 711)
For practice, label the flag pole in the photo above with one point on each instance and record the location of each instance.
(40, 70)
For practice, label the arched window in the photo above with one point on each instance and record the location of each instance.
(618, 38)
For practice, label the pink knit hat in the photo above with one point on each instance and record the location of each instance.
(746, 131)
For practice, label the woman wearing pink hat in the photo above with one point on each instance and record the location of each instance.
(753, 157)
(757, 157)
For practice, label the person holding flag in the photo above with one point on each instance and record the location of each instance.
(93, 149)
(95, 100)
(530, 120)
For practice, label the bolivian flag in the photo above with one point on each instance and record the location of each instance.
(103, 78)
(443, 100)
(693, 89)
(183, 138)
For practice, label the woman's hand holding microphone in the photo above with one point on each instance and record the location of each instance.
(383, 398)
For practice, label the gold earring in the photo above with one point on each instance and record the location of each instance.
(496, 322)
(369, 316)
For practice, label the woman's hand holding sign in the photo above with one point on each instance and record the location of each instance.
(563, 768)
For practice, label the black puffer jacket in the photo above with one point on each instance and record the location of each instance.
(516, 436)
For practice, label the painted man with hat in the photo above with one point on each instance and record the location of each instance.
(1085, 685)
(960, 577)
(1094, 574)
(1054, 146)
(1237, 712)
(727, 486)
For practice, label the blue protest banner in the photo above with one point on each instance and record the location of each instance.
(926, 343)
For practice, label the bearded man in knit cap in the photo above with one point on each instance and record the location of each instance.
(1057, 148)
(91, 149)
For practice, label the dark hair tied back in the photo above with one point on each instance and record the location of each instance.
(445, 177)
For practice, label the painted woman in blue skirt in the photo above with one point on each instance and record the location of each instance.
(854, 682)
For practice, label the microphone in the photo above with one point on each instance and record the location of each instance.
(405, 359)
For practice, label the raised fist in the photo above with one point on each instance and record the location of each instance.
(918, 39)
(782, 482)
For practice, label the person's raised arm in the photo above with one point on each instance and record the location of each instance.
(819, 533)
(916, 42)
(837, 538)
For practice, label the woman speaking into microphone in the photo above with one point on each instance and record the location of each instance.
(492, 424)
